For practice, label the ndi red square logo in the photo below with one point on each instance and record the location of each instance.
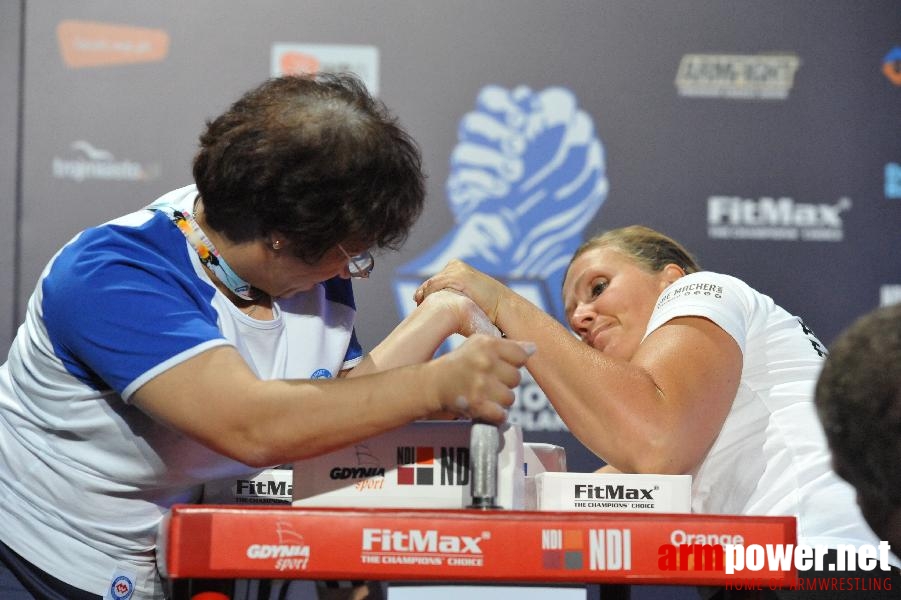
(427, 465)
(415, 465)
(561, 549)
(593, 549)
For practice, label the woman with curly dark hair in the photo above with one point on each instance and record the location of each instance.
(211, 334)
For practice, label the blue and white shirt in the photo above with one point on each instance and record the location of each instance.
(85, 477)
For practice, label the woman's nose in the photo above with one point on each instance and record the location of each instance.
(582, 317)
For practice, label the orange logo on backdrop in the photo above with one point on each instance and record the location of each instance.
(892, 71)
(92, 44)
(295, 63)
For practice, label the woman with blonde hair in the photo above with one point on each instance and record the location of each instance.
(677, 370)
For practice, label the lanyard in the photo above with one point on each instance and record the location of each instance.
(207, 252)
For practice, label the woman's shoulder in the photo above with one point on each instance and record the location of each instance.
(721, 278)
(705, 284)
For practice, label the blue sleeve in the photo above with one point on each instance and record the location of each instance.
(341, 291)
(120, 301)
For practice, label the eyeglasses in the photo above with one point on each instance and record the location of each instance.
(359, 265)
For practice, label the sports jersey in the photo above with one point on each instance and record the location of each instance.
(771, 456)
(85, 476)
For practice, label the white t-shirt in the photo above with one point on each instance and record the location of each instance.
(771, 456)
(85, 477)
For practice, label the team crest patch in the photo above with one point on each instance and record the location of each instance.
(321, 374)
(121, 588)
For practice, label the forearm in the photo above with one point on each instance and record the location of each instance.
(608, 470)
(217, 400)
(419, 335)
(300, 419)
(659, 411)
(413, 341)
(613, 407)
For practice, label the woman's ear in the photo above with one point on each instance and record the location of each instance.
(672, 272)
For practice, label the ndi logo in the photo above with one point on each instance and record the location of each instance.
(416, 465)
(607, 549)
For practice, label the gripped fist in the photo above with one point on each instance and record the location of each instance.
(477, 379)
(484, 290)
(470, 318)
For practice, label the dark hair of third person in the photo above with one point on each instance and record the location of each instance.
(314, 157)
(858, 398)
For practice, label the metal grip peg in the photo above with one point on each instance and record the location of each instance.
(484, 443)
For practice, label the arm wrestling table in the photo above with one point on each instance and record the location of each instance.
(616, 549)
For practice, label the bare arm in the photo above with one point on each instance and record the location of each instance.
(657, 413)
(216, 399)
(608, 470)
(419, 335)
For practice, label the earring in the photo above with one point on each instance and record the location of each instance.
(276, 244)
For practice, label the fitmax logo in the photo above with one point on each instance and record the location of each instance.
(733, 210)
(264, 488)
(611, 492)
(416, 540)
(734, 217)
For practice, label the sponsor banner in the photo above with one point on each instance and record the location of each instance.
(596, 492)
(88, 162)
(756, 76)
(891, 65)
(456, 545)
(803, 557)
(92, 44)
(775, 219)
(425, 464)
(295, 59)
(878, 583)
(889, 294)
(893, 181)
(271, 486)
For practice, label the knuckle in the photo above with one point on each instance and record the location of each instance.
(483, 363)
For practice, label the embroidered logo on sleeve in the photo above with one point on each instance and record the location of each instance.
(699, 288)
